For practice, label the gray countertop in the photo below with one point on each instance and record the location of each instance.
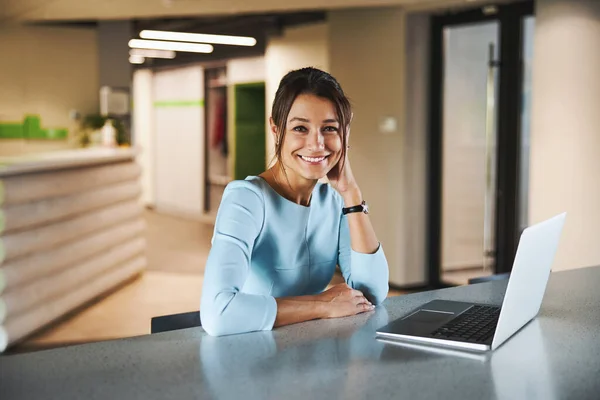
(556, 356)
(61, 159)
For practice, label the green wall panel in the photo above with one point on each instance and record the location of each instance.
(30, 129)
(11, 130)
(249, 129)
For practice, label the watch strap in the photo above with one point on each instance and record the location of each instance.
(362, 207)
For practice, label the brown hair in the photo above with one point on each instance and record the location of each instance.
(309, 81)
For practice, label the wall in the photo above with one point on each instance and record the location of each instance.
(565, 126)
(296, 48)
(46, 71)
(367, 56)
(415, 147)
(143, 131)
(113, 51)
(179, 141)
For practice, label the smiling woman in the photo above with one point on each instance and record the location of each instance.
(279, 236)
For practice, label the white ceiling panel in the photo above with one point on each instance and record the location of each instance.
(89, 10)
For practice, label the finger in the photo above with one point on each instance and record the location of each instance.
(363, 300)
(357, 293)
(363, 307)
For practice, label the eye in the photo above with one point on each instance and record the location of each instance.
(331, 129)
(300, 128)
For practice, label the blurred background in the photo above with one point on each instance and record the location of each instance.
(121, 122)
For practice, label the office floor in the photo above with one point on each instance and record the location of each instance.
(177, 252)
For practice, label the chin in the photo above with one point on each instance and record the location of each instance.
(308, 176)
(312, 173)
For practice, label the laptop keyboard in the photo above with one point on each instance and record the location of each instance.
(476, 325)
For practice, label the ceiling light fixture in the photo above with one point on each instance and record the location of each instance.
(152, 53)
(136, 59)
(173, 46)
(490, 10)
(198, 38)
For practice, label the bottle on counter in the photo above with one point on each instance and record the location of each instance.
(109, 134)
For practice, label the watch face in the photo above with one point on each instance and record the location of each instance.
(365, 207)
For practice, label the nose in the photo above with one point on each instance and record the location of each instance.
(316, 141)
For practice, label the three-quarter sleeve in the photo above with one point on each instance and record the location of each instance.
(224, 309)
(365, 272)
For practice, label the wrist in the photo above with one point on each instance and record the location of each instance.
(320, 307)
(352, 197)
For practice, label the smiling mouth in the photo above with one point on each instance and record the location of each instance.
(313, 160)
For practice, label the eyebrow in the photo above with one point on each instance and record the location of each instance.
(327, 121)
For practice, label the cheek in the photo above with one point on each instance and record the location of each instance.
(334, 143)
(290, 145)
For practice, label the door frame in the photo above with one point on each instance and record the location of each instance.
(508, 135)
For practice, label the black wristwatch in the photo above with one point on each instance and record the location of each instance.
(362, 207)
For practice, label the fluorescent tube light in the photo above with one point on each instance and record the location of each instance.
(198, 38)
(173, 46)
(152, 53)
(490, 10)
(136, 59)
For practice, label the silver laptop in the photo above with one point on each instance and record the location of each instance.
(482, 327)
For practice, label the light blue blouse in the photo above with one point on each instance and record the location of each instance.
(265, 246)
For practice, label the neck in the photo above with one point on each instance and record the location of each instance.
(292, 187)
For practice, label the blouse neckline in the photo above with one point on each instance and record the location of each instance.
(286, 199)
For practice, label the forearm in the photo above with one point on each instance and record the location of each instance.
(362, 235)
(292, 310)
(364, 265)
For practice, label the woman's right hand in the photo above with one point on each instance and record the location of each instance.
(342, 301)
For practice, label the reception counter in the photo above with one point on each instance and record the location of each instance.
(556, 356)
(70, 230)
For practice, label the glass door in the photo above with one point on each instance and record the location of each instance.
(478, 158)
(528, 26)
(469, 150)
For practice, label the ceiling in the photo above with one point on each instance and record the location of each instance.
(258, 26)
(92, 10)
(260, 19)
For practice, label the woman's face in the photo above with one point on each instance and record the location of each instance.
(313, 144)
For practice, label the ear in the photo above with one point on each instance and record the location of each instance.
(273, 129)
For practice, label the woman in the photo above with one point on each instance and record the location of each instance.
(279, 236)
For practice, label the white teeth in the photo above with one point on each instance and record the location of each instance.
(313, 159)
